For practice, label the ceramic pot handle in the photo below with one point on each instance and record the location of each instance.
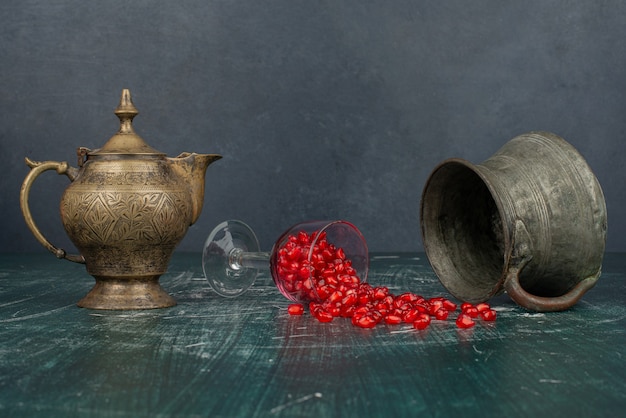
(546, 304)
(521, 255)
(36, 169)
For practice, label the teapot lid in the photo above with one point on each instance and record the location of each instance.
(126, 141)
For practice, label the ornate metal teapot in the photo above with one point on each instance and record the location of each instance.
(126, 209)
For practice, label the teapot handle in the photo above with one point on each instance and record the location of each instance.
(36, 169)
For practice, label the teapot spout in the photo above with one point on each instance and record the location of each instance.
(192, 167)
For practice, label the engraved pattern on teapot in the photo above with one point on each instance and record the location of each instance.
(141, 205)
(88, 217)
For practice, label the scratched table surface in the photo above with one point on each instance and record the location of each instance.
(215, 357)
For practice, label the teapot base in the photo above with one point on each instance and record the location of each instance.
(127, 294)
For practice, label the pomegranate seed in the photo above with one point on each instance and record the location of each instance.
(466, 305)
(472, 312)
(348, 312)
(422, 308)
(449, 305)
(349, 270)
(464, 321)
(405, 307)
(304, 272)
(361, 310)
(364, 321)
(331, 280)
(393, 319)
(482, 307)
(324, 291)
(435, 306)
(388, 300)
(349, 300)
(397, 303)
(295, 309)
(408, 297)
(422, 321)
(382, 311)
(294, 254)
(334, 311)
(328, 255)
(380, 293)
(303, 238)
(411, 315)
(442, 314)
(376, 315)
(336, 296)
(340, 254)
(323, 316)
(488, 315)
(330, 274)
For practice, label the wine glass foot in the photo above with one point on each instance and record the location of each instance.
(221, 258)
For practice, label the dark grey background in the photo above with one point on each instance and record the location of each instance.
(329, 109)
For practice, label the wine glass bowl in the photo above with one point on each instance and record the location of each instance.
(312, 259)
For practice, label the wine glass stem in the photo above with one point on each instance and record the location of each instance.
(239, 259)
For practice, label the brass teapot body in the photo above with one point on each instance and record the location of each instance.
(126, 209)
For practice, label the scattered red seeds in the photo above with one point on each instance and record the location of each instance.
(295, 309)
(329, 284)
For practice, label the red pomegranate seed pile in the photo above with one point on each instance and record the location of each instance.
(331, 287)
(319, 277)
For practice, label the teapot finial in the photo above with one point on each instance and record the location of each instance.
(126, 141)
(126, 111)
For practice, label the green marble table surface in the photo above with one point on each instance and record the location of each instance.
(246, 357)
